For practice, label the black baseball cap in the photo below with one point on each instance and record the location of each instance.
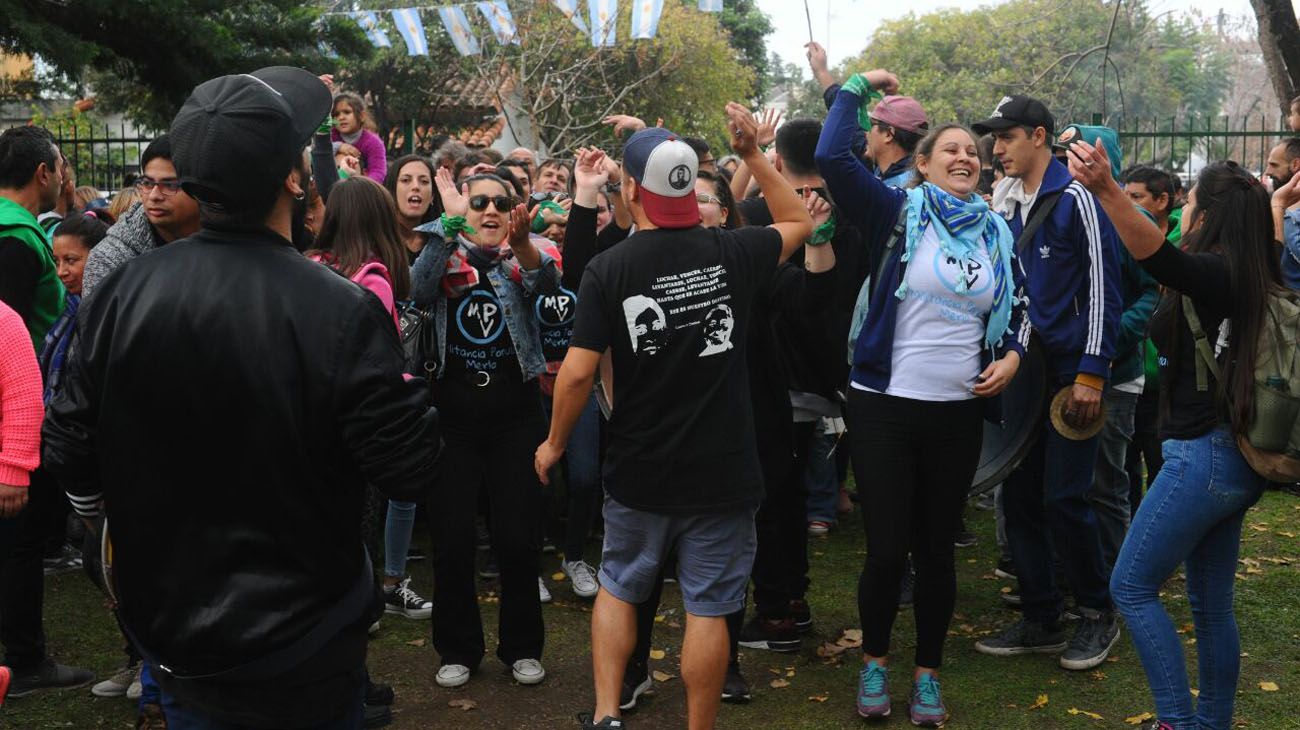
(236, 137)
(1018, 111)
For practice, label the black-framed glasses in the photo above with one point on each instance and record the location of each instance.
(168, 187)
(503, 203)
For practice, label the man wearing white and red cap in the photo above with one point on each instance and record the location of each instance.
(671, 304)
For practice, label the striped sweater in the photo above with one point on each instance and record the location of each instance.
(21, 409)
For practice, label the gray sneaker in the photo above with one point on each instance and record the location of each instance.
(1024, 637)
(48, 675)
(1092, 641)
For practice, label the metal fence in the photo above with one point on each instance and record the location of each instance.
(101, 154)
(1186, 144)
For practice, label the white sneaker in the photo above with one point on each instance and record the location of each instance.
(453, 675)
(137, 688)
(374, 628)
(116, 685)
(528, 671)
(582, 577)
(542, 591)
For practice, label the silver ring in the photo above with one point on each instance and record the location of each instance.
(1087, 163)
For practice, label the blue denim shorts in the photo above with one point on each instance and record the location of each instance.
(715, 554)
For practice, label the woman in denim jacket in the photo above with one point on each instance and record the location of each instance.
(478, 273)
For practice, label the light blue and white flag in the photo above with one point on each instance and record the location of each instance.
(369, 23)
(645, 18)
(711, 6)
(408, 24)
(604, 21)
(570, 10)
(457, 25)
(499, 19)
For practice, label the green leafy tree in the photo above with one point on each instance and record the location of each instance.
(958, 64)
(748, 27)
(145, 56)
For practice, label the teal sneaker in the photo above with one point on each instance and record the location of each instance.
(873, 691)
(927, 708)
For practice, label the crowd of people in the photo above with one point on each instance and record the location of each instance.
(230, 392)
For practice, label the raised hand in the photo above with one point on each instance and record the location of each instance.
(742, 130)
(818, 208)
(883, 81)
(520, 227)
(590, 171)
(817, 57)
(1289, 194)
(624, 123)
(1090, 165)
(767, 124)
(454, 202)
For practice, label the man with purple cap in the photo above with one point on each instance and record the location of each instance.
(228, 404)
(671, 305)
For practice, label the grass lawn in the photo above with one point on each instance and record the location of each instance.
(981, 692)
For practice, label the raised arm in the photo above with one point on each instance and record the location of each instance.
(789, 216)
(1091, 166)
(867, 202)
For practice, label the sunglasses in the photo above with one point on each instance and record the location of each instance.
(480, 202)
(167, 187)
(706, 198)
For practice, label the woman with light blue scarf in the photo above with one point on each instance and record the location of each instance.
(941, 330)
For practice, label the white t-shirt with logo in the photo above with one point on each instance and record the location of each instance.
(938, 333)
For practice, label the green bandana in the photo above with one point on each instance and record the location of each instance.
(453, 225)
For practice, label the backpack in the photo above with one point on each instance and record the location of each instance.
(1271, 444)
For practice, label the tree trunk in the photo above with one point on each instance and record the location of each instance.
(1279, 40)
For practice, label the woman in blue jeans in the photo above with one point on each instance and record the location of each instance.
(1193, 511)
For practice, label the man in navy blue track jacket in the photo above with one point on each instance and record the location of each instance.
(1072, 273)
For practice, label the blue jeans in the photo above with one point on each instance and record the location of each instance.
(398, 526)
(820, 478)
(1047, 507)
(1110, 482)
(180, 717)
(1192, 513)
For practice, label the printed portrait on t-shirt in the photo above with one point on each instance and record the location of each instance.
(718, 324)
(646, 324)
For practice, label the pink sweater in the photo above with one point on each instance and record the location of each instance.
(373, 155)
(21, 409)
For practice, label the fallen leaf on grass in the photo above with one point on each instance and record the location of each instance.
(789, 672)
(415, 642)
(778, 684)
(1085, 713)
(463, 704)
(1098, 675)
(659, 619)
(1259, 527)
(830, 650)
(1196, 692)
(657, 654)
(1039, 703)
(662, 676)
(1286, 534)
(851, 639)
(1268, 686)
(819, 698)
(557, 577)
(1139, 719)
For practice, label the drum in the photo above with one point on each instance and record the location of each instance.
(1024, 404)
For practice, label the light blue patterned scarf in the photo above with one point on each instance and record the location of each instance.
(964, 225)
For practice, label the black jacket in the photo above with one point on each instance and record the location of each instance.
(230, 400)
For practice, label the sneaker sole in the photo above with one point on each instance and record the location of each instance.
(1004, 575)
(1020, 650)
(640, 689)
(421, 615)
(1079, 665)
(18, 694)
(803, 627)
(451, 683)
(528, 681)
(781, 647)
(115, 692)
(737, 699)
(584, 594)
(874, 714)
(928, 723)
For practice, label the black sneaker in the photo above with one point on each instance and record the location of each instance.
(1012, 598)
(489, 569)
(965, 539)
(378, 693)
(48, 675)
(401, 599)
(548, 547)
(608, 723)
(907, 590)
(1024, 637)
(1006, 569)
(67, 560)
(636, 682)
(771, 634)
(802, 615)
(735, 689)
(1092, 641)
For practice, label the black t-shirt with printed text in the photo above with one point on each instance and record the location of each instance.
(482, 373)
(673, 306)
(555, 314)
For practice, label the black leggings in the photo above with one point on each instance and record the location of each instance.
(913, 462)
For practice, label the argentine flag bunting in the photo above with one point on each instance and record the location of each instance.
(645, 18)
(570, 10)
(711, 6)
(457, 25)
(604, 21)
(498, 17)
(408, 24)
(369, 23)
